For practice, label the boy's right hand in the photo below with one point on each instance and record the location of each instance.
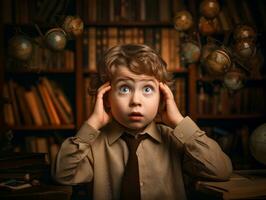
(100, 117)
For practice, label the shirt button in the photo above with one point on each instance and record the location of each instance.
(141, 183)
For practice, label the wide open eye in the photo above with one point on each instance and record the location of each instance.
(147, 90)
(124, 89)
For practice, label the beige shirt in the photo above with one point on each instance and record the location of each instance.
(101, 156)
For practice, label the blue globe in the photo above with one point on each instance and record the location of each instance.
(55, 39)
(20, 47)
(258, 143)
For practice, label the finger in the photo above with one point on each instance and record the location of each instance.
(103, 89)
(166, 90)
(103, 86)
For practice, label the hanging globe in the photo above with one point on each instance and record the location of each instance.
(245, 48)
(209, 8)
(190, 51)
(208, 26)
(183, 20)
(218, 62)
(55, 39)
(234, 79)
(243, 32)
(20, 47)
(257, 143)
(73, 25)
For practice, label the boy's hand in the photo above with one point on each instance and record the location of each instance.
(171, 115)
(100, 117)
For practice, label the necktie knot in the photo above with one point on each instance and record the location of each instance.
(132, 141)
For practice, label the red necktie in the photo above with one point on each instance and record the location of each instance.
(130, 183)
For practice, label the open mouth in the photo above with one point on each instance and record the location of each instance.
(135, 116)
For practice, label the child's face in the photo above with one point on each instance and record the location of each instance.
(134, 99)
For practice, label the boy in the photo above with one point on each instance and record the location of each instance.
(135, 90)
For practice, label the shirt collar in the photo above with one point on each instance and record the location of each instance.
(115, 130)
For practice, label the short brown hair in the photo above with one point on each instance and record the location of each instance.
(139, 58)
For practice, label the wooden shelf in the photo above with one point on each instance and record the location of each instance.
(43, 128)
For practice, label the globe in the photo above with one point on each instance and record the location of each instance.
(257, 143)
(20, 47)
(244, 31)
(183, 20)
(245, 48)
(55, 39)
(73, 25)
(218, 62)
(190, 51)
(209, 8)
(234, 80)
(208, 26)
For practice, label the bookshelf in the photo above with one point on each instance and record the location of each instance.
(230, 117)
(112, 22)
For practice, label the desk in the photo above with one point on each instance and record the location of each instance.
(41, 192)
(246, 184)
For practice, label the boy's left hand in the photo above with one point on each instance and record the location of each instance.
(171, 115)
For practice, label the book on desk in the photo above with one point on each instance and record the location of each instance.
(243, 184)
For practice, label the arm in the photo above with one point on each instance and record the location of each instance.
(203, 156)
(74, 162)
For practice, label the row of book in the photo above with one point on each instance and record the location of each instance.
(97, 40)
(179, 91)
(216, 99)
(233, 12)
(134, 10)
(28, 11)
(41, 104)
(43, 59)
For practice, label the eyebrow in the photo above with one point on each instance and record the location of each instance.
(133, 80)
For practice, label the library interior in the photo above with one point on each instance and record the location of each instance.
(214, 49)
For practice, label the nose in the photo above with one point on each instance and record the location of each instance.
(135, 99)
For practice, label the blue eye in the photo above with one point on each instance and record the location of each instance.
(147, 90)
(124, 90)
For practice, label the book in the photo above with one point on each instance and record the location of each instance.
(14, 184)
(14, 101)
(240, 186)
(50, 105)
(40, 105)
(9, 117)
(64, 118)
(23, 106)
(33, 107)
(92, 60)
